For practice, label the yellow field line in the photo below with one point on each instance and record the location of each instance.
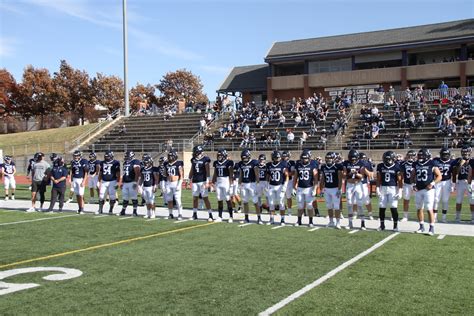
(103, 245)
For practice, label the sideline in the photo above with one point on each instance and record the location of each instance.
(325, 277)
(103, 245)
(37, 219)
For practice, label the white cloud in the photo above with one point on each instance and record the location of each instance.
(7, 46)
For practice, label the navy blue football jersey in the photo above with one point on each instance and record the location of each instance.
(93, 166)
(445, 167)
(352, 168)
(463, 171)
(331, 175)
(161, 170)
(368, 165)
(424, 174)
(236, 171)
(199, 169)
(291, 168)
(406, 168)
(223, 168)
(277, 172)
(262, 172)
(388, 174)
(79, 168)
(148, 176)
(8, 168)
(172, 169)
(305, 173)
(247, 171)
(108, 170)
(129, 170)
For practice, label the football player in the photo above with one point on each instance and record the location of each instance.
(424, 176)
(407, 167)
(470, 189)
(148, 180)
(162, 176)
(8, 170)
(305, 185)
(389, 188)
(58, 176)
(222, 178)
(444, 188)
(331, 185)
(460, 178)
(234, 190)
(262, 186)
(200, 175)
(109, 174)
(354, 172)
(174, 183)
(286, 155)
(247, 182)
(366, 186)
(94, 167)
(277, 179)
(79, 174)
(129, 182)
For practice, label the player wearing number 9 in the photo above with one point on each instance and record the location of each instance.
(425, 175)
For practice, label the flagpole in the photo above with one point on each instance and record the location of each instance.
(125, 57)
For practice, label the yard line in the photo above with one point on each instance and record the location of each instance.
(246, 224)
(441, 236)
(151, 219)
(324, 278)
(277, 227)
(353, 231)
(99, 216)
(62, 254)
(6, 211)
(182, 221)
(37, 220)
(313, 229)
(128, 217)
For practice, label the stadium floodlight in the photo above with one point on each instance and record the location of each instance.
(125, 58)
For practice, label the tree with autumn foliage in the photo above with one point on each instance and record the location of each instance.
(142, 96)
(8, 88)
(180, 84)
(107, 91)
(73, 91)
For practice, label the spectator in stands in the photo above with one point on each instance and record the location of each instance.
(381, 122)
(202, 125)
(123, 130)
(245, 142)
(374, 130)
(290, 137)
(281, 121)
(443, 88)
(407, 140)
(411, 120)
(265, 120)
(208, 139)
(420, 120)
(169, 145)
(303, 138)
(367, 131)
(397, 140)
(297, 120)
(245, 129)
(403, 119)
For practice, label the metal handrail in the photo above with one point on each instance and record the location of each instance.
(86, 134)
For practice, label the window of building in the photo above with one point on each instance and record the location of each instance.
(334, 65)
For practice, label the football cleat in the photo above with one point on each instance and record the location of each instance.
(260, 222)
(430, 233)
(330, 224)
(180, 218)
(210, 220)
(218, 220)
(338, 226)
(420, 230)
(230, 220)
(6, 198)
(195, 216)
(12, 198)
(371, 218)
(30, 210)
(310, 225)
(122, 213)
(404, 219)
(153, 215)
(396, 230)
(282, 224)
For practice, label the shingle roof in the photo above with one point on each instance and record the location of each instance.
(406, 35)
(246, 79)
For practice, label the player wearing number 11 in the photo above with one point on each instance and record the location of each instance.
(425, 175)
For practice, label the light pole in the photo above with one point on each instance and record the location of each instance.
(125, 59)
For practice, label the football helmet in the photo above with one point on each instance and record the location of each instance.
(388, 158)
(445, 154)
(245, 155)
(466, 152)
(108, 156)
(148, 161)
(411, 155)
(7, 159)
(52, 156)
(330, 158)
(197, 151)
(172, 156)
(424, 155)
(129, 155)
(305, 156)
(145, 155)
(362, 156)
(221, 155)
(353, 156)
(92, 156)
(77, 155)
(276, 156)
(261, 159)
(162, 160)
(59, 161)
(285, 155)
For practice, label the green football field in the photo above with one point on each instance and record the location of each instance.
(162, 266)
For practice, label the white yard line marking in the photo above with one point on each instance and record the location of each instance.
(122, 218)
(324, 278)
(246, 224)
(277, 227)
(353, 231)
(37, 220)
(151, 219)
(313, 229)
(182, 221)
(6, 211)
(441, 236)
(100, 216)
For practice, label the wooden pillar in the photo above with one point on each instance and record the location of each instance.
(462, 74)
(270, 95)
(307, 90)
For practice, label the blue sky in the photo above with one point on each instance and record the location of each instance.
(208, 37)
